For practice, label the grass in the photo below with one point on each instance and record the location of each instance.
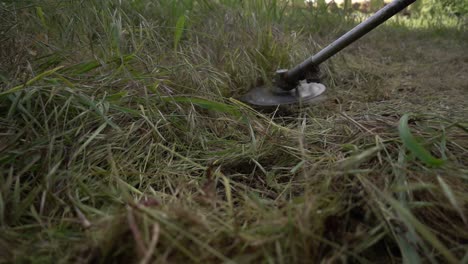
(122, 141)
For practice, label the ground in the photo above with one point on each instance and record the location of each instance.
(122, 139)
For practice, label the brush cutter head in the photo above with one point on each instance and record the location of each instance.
(304, 93)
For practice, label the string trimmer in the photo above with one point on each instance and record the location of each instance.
(300, 84)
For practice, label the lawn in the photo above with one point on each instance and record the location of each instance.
(122, 139)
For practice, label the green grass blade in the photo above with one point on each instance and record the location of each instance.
(86, 143)
(451, 197)
(86, 67)
(116, 96)
(179, 29)
(89, 102)
(33, 80)
(422, 230)
(408, 251)
(410, 142)
(355, 160)
(206, 104)
(40, 14)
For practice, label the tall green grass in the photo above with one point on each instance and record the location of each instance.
(121, 139)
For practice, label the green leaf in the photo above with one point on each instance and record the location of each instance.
(180, 25)
(410, 142)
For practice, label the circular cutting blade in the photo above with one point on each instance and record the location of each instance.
(304, 93)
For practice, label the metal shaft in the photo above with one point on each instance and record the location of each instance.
(298, 73)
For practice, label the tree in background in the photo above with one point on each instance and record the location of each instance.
(434, 8)
(376, 5)
(347, 5)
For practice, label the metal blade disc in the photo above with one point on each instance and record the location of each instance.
(305, 93)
